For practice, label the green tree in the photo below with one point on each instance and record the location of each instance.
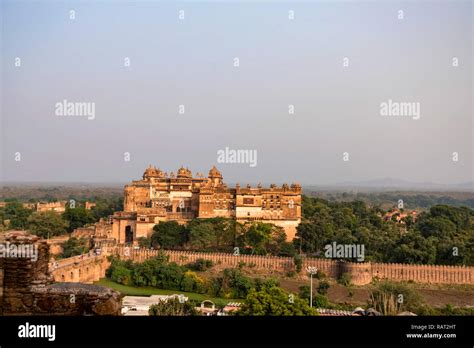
(173, 307)
(202, 236)
(274, 301)
(298, 261)
(74, 246)
(144, 242)
(390, 298)
(17, 215)
(264, 238)
(47, 224)
(413, 248)
(323, 287)
(77, 217)
(168, 235)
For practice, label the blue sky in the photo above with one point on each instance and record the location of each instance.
(282, 62)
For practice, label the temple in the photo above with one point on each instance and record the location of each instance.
(160, 196)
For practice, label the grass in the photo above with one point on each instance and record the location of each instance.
(149, 290)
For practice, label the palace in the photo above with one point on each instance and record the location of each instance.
(183, 197)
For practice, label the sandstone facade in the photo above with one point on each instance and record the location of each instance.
(182, 197)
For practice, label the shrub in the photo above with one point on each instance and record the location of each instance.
(344, 279)
(191, 282)
(122, 275)
(274, 301)
(200, 265)
(298, 261)
(390, 298)
(74, 246)
(173, 307)
(144, 242)
(323, 287)
(320, 275)
(320, 301)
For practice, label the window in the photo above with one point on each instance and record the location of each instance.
(248, 200)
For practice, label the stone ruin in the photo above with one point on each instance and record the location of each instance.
(27, 287)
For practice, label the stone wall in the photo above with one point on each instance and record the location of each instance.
(27, 288)
(361, 273)
(85, 268)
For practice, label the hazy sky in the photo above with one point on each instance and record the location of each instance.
(283, 62)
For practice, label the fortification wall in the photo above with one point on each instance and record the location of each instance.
(85, 268)
(361, 273)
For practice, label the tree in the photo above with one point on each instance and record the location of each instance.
(173, 307)
(105, 208)
(202, 236)
(77, 217)
(232, 284)
(144, 242)
(323, 287)
(215, 234)
(17, 215)
(168, 235)
(298, 261)
(390, 298)
(265, 238)
(74, 246)
(274, 301)
(413, 248)
(47, 224)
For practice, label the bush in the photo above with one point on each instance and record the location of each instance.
(320, 301)
(173, 307)
(323, 287)
(192, 283)
(73, 247)
(267, 283)
(320, 275)
(344, 279)
(233, 284)
(298, 261)
(274, 301)
(200, 265)
(122, 275)
(390, 298)
(144, 242)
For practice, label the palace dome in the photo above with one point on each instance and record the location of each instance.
(152, 171)
(184, 173)
(215, 173)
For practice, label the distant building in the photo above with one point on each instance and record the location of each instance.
(58, 207)
(399, 215)
(183, 197)
(89, 205)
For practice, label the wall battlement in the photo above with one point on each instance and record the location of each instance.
(90, 268)
(361, 273)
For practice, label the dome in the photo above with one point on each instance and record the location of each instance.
(152, 171)
(215, 173)
(184, 173)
